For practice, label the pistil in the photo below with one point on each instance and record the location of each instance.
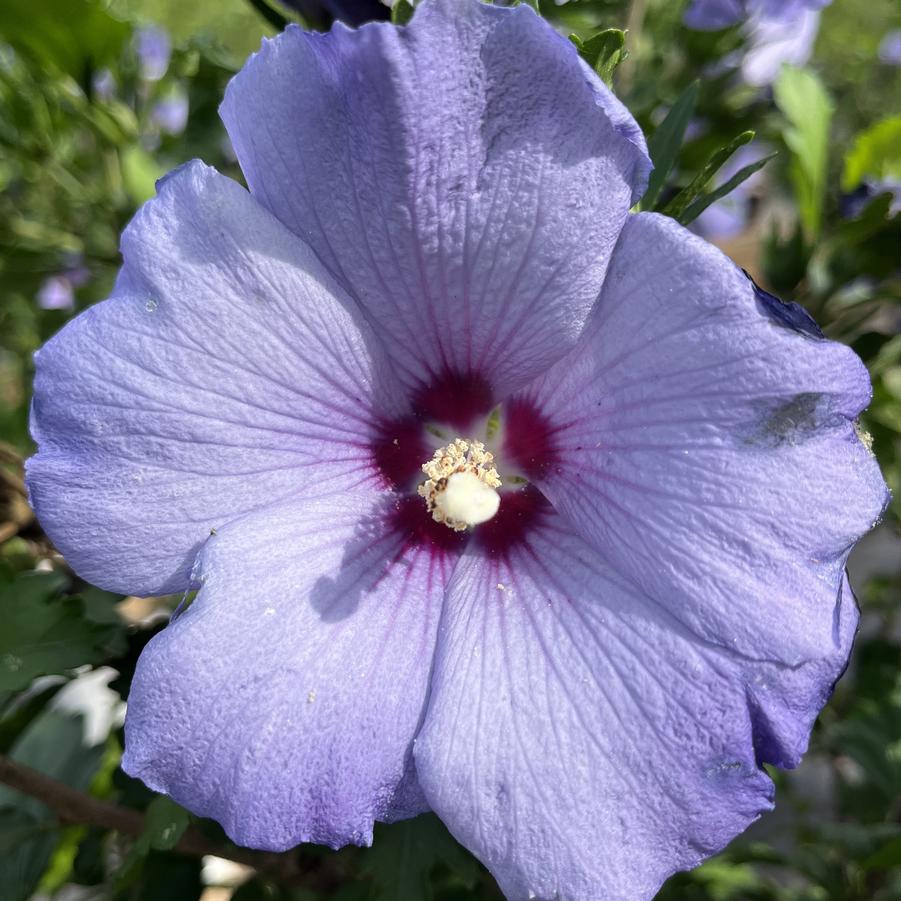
(460, 488)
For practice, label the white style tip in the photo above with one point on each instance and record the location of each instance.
(467, 499)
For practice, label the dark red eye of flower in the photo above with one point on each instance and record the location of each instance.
(471, 466)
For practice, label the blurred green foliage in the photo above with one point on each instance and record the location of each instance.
(81, 144)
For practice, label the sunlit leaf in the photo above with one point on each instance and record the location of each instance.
(401, 12)
(876, 154)
(603, 51)
(807, 108)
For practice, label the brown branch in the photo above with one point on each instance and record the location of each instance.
(8, 454)
(74, 807)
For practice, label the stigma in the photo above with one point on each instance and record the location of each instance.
(459, 490)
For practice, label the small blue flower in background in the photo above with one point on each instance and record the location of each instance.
(890, 48)
(778, 32)
(154, 49)
(170, 114)
(710, 15)
(57, 292)
(104, 84)
(502, 502)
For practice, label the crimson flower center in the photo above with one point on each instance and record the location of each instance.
(464, 503)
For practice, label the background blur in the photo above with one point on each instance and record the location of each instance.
(98, 98)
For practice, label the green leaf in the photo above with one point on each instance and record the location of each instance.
(603, 51)
(807, 108)
(680, 203)
(53, 744)
(402, 12)
(876, 154)
(164, 824)
(170, 877)
(75, 36)
(403, 856)
(270, 15)
(886, 858)
(22, 712)
(665, 143)
(695, 209)
(140, 172)
(261, 889)
(43, 634)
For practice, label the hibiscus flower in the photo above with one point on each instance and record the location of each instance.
(502, 502)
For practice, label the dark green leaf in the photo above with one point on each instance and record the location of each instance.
(53, 744)
(665, 143)
(678, 205)
(164, 824)
(270, 15)
(259, 889)
(603, 51)
(404, 855)
(705, 200)
(887, 857)
(42, 634)
(165, 877)
(25, 709)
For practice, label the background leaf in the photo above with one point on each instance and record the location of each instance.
(807, 108)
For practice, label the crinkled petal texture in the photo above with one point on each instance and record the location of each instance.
(465, 177)
(284, 701)
(707, 449)
(579, 739)
(223, 375)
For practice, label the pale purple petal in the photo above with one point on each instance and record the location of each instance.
(283, 702)
(578, 739)
(785, 701)
(465, 177)
(223, 375)
(705, 436)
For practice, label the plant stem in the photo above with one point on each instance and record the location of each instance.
(74, 807)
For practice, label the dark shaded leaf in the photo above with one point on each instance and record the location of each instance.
(665, 143)
(701, 204)
(43, 634)
(688, 195)
(404, 855)
(53, 744)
